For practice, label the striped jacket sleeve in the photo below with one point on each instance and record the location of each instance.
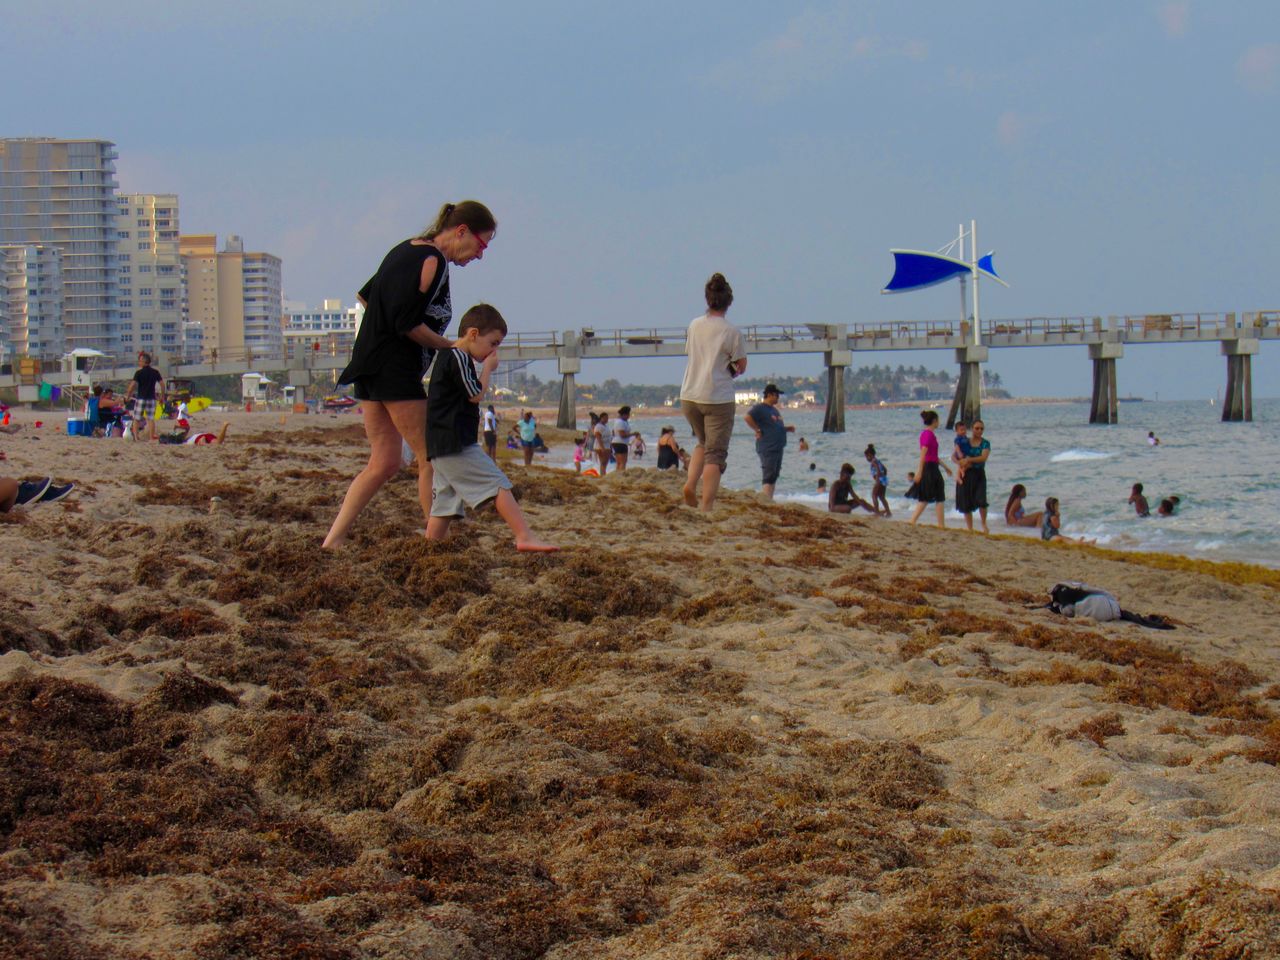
(467, 374)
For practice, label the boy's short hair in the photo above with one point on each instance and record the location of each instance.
(483, 318)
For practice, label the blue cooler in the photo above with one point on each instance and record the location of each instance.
(76, 428)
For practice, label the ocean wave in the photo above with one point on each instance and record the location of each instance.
(1209, 545)
(1069, 455)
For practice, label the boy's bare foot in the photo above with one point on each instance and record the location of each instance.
(535, 546)
(690, 497)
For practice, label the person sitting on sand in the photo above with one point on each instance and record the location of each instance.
(1140, 505)
(1168, 506)
(1015, 515)
(842, 498)
(1051, 523)
(30, 493)
(462, 474)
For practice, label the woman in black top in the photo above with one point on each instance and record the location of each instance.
(407, 309)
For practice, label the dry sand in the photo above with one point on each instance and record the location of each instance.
(767, 733)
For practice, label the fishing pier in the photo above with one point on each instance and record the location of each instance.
(1105, 339)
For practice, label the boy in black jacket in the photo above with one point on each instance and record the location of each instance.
(463, 473)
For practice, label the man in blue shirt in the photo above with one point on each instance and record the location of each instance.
(765, 422)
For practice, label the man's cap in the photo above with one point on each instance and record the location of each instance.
(772, 388)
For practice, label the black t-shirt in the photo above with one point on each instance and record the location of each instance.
(393, 306)
(146, 378)
(453, 419)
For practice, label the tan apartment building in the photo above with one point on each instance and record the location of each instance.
(234, 295)
(149, 279)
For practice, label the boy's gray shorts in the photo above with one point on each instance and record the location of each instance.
(467, 477)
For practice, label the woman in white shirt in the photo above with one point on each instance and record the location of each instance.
(717, 354)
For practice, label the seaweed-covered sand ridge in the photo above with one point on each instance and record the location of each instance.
(765, 733)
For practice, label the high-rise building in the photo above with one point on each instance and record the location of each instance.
(31, 302)
(234, 296)
(150, 275)
(330, 330)
(61, 193)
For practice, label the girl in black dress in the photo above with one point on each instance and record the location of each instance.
(407, 308)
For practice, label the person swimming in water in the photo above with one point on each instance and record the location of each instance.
(1168, 506)
(1140, 505)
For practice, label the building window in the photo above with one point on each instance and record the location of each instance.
(144, 245)
(144, 291)
(122, 234)
(144, 268)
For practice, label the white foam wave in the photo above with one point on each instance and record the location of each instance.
(1068, 455)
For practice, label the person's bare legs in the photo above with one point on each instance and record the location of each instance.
(766, 490)
(696, 460)
(968, 520)
(385, 424)
(528, 454)
(603, 458)
(982, 512)
(8, 493)
(509, 510)
(438, 527)
(942, 509)
(710, 486)
(620, 461)
(915, 514)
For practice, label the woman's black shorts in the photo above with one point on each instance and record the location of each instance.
(385, 387)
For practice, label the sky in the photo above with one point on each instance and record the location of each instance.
(1117, 157)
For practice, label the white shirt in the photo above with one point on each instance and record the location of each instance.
(491, 421)
(713, 344)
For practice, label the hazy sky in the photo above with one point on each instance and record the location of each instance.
(1118, 157)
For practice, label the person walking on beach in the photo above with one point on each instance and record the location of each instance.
(621, 439)
(971, 490)
(600, 433)
(717, 354)
(929, 485)
(462, 474)
(528, 436)
(879, 481)
(407, 308)
(146, 389)
(491, 432)
(765, 421)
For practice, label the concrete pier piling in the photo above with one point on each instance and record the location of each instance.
(1237, 404)
(569, 365)
(966, 405)
(1104, 404)
(837, 361)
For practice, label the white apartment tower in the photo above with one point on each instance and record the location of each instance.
(31, 301)
(61, 194)
(150, 284)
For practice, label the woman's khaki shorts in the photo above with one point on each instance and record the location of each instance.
(713, 425)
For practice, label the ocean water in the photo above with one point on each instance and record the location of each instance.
(1227, 474)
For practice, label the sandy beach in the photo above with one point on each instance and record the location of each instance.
(770, 732)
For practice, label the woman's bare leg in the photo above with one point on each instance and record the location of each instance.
(982, 512)
(710, 486)
(696, 460)
(915, 514)
(942, 510)
(410, 419)
(384, 463)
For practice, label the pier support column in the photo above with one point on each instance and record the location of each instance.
(1104, 404)
(837, 361)
(569, 365)
(1237, 405)
(966, 405)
